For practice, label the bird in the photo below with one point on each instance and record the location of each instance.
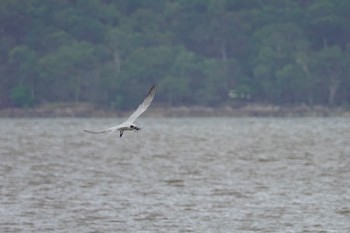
(129, 124)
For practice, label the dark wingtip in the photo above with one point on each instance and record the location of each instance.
(153, 87)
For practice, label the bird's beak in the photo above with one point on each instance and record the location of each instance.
(137, 128)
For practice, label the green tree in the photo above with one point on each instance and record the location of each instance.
(64, 73)
(278, 46)
(23, 63)
(330, 65)
(198, 51)
(21, 96)
(327, 23)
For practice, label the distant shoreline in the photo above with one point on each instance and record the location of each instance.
(252, 110)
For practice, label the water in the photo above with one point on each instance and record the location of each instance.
(176, 175)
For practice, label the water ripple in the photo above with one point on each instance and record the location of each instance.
(177, 175)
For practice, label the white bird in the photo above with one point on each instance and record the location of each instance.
(129, 123)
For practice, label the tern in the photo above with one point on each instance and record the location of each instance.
(129, 124)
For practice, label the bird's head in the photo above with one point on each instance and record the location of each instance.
(135, 127)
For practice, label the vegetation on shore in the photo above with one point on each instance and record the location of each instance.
(199, 52)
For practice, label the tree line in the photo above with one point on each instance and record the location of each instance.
(199, 52)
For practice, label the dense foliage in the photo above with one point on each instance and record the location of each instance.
(199, 52)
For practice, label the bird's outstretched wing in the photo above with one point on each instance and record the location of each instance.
(126, 124)
(145, 104)
(109, 130)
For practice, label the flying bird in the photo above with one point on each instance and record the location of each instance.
(129, 124)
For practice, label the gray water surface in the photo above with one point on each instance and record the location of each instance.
(176, 175)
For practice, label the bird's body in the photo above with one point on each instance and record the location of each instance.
(129, 124)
